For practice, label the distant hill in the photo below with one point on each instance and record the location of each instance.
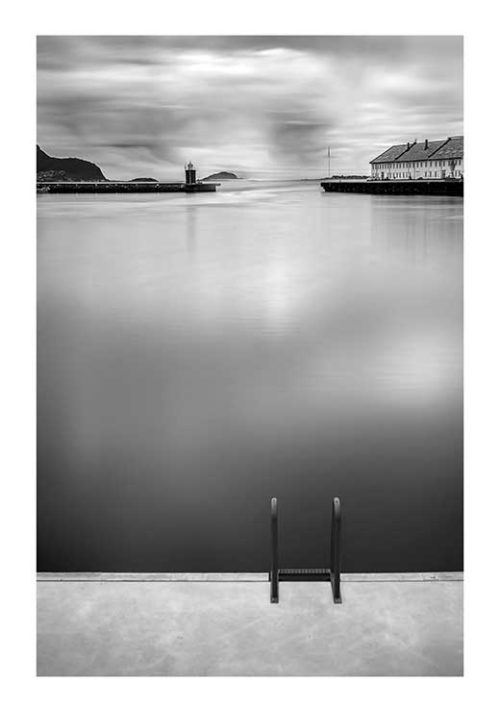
(223, 175)
(49, 168)
(143, 180)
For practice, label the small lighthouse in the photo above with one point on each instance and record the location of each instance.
(190, 174)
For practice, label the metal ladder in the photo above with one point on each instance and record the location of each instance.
(332, 574)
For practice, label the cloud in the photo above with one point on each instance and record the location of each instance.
(263, 106)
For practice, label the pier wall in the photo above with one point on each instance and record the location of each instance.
(396, 187)
(124, 187)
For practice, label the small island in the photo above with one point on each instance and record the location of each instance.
(223, 175)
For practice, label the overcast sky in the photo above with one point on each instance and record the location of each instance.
(259, 106)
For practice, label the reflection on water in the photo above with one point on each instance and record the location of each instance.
(198, 354)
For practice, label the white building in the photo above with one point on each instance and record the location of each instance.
(427, 159)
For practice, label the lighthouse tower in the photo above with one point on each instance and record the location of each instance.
(190, 174)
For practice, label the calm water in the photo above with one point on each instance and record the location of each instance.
(198, 354)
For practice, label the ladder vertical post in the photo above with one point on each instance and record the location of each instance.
(336, 550)
(274, 574)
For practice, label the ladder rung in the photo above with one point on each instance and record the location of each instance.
(304, 574)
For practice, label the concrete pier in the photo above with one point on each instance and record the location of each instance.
(396, 187)
(124, 187)
(223, 624)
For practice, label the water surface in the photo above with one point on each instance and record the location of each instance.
(198, 354)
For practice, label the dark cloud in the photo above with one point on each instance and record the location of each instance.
(258, 105)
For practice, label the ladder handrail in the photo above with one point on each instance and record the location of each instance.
(336, 550)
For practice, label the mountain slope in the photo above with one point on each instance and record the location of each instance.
(49, 168)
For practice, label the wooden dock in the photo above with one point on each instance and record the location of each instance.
(396, 187)
(124, 187)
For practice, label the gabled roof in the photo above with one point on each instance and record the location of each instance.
(419, 152)
(391, 154)
(453, 148)
(445, 148)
